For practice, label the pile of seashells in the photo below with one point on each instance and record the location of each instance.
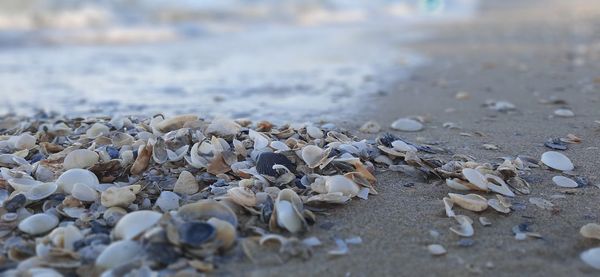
(115, 195)
(110, 196)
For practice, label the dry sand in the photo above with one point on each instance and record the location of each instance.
(519, 51)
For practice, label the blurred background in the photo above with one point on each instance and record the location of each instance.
(283, 59)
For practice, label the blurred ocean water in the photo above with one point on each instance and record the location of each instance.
(287, 59)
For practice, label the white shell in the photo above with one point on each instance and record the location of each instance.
(38, 224)
(590, 230)
(260, 140)
(223, 127)
(314, 132)
(118, 253)
(84, 192)
(186, 183)
(476, 178)
(557, 161)
(564, 113)
(69, 178)
(472, 202)
(465, 226)
(341, 184)
(168, 201)
(41, 191)
(564, 182)
(119, 196)
(23, 141)
(402, 146)
(80, 158)
(133, 224)
(313, 155)
(591, 257)
(436, 249)
(286, 216)
(407, 125)
(497, 185)
(98, 129)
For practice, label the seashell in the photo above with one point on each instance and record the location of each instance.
(496, 205)
(168, 201)
(186, 183)
(472, 202)
(41, 191)
(84, 192)
(314, 132)
(591, 257)
(564, 113)
(120, 139)
(260, 140)
(80, 158)
(195, 233)
(330, 198)
(141, 162)
(119, 196)
(557, 161)
(98, 129)
(370, 127)
(288, 210)
(465, 228)
(590, 230)
(407, 125)
(38, 224)
(314, 156)
(484, 221)
(564, 182)
(242, 196)
(436, 249)
(267, 160)
(226, 232)
(476, 178)
(65, 237)
(196, 160)
(519, 184)
(448, 204)
(118, 253)
(341, 184)
(205, 209)
(135, 223)
(178, 154)
(402, 146)
(113, 214)
(159, 151)
(174, 123)
(497, 185)
(223, 127)
(457, 184)
(21, 142)
(69, 178)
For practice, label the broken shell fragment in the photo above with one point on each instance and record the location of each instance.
(472, 202)
(465, 228)
(242, 196)
(370, 127)
(557, 161)
(476, 178)
(196, 233)
(118, 196)
(267, 160)
(288, 211)
(591, 257)
(226, 233)
(168, 201)
(314, 156)
(84, 192)
(341, 184)
(41, 191)
(186, 183)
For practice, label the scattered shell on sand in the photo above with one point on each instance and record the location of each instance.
(564, 113)
(436, 249)
(591, 257)
(564, 182)
(407, 125)
(590, 230)
(465, 228)
(557, 161)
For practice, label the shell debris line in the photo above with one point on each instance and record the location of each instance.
(103, 195)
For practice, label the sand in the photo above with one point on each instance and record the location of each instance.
(519, 51)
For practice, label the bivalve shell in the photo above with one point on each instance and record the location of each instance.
(590, 230)
(557, 161)
(69, 178)
(472, 202)
(591, 257)
(135, 223)
(564, 182)
(341, 184)
(38, 224)
(80, 158)
(186, 183)
(118, 253)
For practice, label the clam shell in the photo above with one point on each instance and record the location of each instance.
(402, 146)
(457, 184)
(472, 202)
(23, 141)
(591, 257)
(260, 140)
(288, 211)
(120, 139)
(407, 125)
(159, 151)
(267, 160)
(564, 113)
(341, 184)
(465, 228)
(178, 154)
(41, 191)
(98, 129)
(80, 158)
(370, 127)
(38, 224)
(314, 156)
(196, 233)
(206, 209)
(557, 161)
(113, 214)
(519, 185)
(186, 183)
(436, 249)
(168, 201)
(496, 205)
(314, 132)
(135, 223)
(65, 237)
(141, 162)
(448, 204)
(119, 253)
(590, 230)
(84, 192)
(69, 178)
(226, 232)
(564, 182)
(242, 196)
(174, 123)
(497, 185)
(476, 178)
(331, 198)
(223, 127)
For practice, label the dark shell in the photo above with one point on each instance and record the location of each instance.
(13, 204)
(556, 144)
(161, 253)
(196, 233)
(266, 160)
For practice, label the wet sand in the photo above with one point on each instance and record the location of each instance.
(519, 51)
